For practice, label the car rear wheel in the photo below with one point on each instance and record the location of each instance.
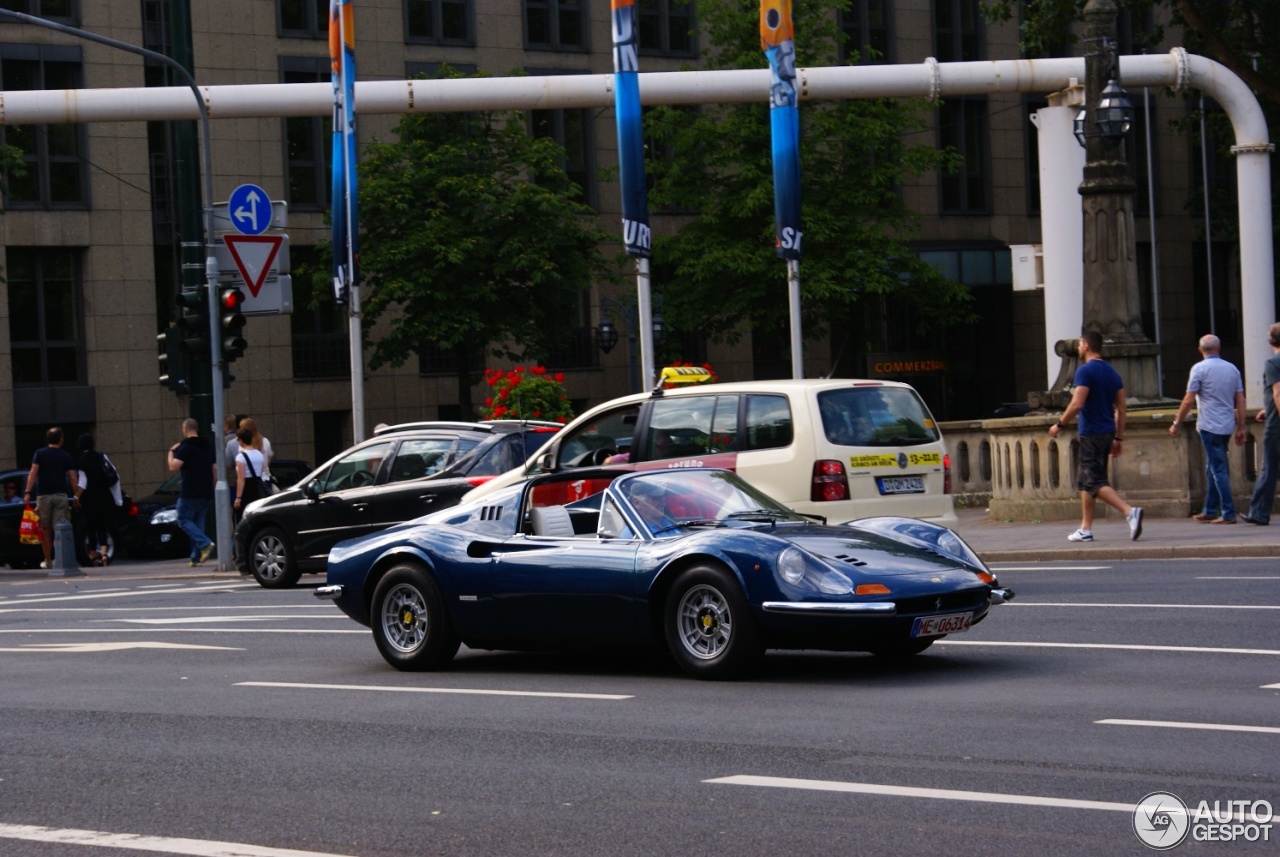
(410, 625)
(709, 627)
(271, 559)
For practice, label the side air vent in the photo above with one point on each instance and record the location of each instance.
(490, 513)
(851, 560)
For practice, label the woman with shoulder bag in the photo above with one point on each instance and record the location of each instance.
(250, 464)
(98, 490)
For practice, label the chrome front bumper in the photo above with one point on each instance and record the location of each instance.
(875, 608)
(329, 593)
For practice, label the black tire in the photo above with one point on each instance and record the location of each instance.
(410, 625)
(271, 559)
(709, 627)
(902, 648)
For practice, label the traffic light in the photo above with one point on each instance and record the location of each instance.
(231, 322)
(172, 367)
(193, 322)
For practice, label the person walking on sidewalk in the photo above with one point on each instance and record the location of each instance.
(195, 459)
(1217, 390)
(1264, 490)
(49, 482)
(1099, 399)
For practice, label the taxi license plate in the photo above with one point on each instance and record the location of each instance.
(932, 626)
(901, 484)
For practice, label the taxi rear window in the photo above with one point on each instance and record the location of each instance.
(876, 416)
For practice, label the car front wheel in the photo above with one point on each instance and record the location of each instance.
(271, 559)
(709, 627)
(410, 625)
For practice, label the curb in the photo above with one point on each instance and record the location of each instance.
(1154, 552)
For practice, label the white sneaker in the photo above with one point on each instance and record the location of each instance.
(1080, 536)
(1135, 523)
(44, 564)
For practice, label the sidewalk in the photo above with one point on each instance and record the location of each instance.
(1162, 538)
(995, 541)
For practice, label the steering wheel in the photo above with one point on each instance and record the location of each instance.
(599, 456)
(360, 478)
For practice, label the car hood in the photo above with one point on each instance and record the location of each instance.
(871, 553)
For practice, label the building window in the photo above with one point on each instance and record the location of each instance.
(555, 25)
(307, 139)
(54, 155)
(440, 22)
(666, 28)
(962, 126)
(957, 30)
(303, 19)
(46, 329)
(867, 32)
(574, 131)
(434, 360)
(66, 11)
(321, 344)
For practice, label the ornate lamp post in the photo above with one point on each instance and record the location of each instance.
(1112, 304)
(606, 335)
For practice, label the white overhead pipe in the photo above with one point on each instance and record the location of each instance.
(930, 80)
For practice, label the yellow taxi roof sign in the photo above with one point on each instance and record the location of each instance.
(676, 375)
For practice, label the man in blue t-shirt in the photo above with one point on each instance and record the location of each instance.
(1264, 490)
(1099, 399)
(197, 461)
(49, 483)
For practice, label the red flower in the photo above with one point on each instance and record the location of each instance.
(559, 376)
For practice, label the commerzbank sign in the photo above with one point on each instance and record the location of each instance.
(904, 363)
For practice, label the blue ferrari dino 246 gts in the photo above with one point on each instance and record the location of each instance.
(692, 559)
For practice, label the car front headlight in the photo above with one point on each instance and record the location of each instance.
(803, 571)
(165, 516)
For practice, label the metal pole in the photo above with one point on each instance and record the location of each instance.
(643, 326)
(221, 500)
(1208, 226)
(793, 300)
(1155, 256)
(355, 335)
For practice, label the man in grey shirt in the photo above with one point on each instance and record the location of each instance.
(1217, 390)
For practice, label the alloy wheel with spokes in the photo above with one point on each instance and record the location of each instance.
(708, 623)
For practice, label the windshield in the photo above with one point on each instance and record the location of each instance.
(876, 416)
(673, 498)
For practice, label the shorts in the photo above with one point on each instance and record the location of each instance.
(52, 508)
(1095, 451)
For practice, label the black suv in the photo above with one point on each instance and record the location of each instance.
(402, 472)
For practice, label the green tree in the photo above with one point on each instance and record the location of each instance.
(717, 163)
(472, 238)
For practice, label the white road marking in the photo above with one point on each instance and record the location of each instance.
(1271, 577)
(1156, 606)
(454, 690)
(154, 630)
(906, 791)
(181, 619)
(138, 842)
(1271, 687)
(118, 594)
(320, 611)
(80, 648)
(1121, 646)
(1173, 724)
(998, 567)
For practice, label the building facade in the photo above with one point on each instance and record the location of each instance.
(91, 231)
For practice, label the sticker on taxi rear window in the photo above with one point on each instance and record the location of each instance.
(895, 459)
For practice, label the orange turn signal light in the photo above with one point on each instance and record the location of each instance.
(987, 577)
(871, 589)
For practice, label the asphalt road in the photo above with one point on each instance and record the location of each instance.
(213, 717)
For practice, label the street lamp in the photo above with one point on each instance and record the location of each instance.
(1113, 117)
(607, 336)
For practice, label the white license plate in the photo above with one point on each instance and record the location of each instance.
(932, 626)
(901, 484)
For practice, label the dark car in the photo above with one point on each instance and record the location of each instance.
(124, 534)
(403, 472)
(691, 559)
(158, 511)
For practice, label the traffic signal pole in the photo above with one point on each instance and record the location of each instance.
(221, 497)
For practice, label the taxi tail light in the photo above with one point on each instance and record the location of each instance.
(829, 482)
(946, 473)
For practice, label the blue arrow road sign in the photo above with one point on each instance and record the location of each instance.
(250, 209)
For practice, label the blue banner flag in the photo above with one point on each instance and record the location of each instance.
(626, 88)
(342, 58)
(777, 38)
